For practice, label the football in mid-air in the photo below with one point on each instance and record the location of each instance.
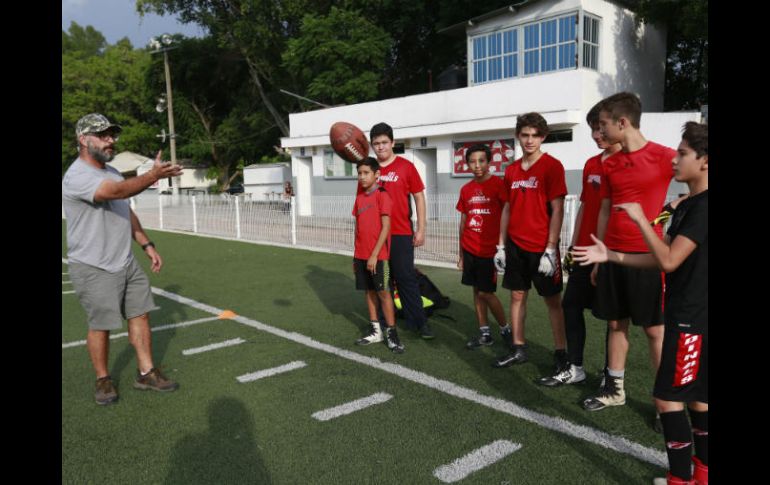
(348, 141)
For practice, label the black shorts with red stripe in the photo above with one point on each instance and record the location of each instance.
(683, 372)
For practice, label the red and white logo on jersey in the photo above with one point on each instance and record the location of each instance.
(687, 358)
(530, 183)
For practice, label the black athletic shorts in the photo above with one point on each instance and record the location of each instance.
(623, 292)
(368, 281)
(479, 272)
(580, 293)
(683, 374)
(521, 271)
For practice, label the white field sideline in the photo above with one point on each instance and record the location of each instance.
(72, 292)
(220, 345)
(297, 364)
(585, 433)
(154, 329)
(475, 461)
(351, 407)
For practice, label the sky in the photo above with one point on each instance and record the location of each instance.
(116, 19)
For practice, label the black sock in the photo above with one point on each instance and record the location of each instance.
(575, 329)
(678, 436)
(700, 434)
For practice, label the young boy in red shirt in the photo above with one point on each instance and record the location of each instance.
(480, 203)
(683, 373)
(372, 211)
(528, 247)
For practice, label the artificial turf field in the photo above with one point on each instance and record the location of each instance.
(298, 306)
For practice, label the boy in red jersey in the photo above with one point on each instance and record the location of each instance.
(372, 211)
(529, 229)
(641, 172)
(480, 203)
(683, 255)
(400, 178)
(580, 291)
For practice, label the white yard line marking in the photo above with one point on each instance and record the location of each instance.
(585, 433)
(351, 407)
(64, 274)
(475, 461)
(66, 282)
(68, 292)
(298, 364)
(220, 345)
(154, 329)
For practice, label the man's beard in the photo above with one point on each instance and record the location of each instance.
(100, 155)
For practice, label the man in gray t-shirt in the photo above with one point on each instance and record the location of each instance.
(109, 283)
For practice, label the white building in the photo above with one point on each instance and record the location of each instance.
(555, 57)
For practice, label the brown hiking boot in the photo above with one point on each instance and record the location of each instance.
(154, 380)
(105, 391)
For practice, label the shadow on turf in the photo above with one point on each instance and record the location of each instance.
(337, 291)
(227, 452)
(174, 313)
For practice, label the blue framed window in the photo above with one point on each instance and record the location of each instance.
(544, 46)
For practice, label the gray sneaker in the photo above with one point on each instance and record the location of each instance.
(394, 343)
(154, 380)
(517, 356)
(570, 375)
(105, 391)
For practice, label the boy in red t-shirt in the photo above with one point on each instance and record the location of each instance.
(528, 247)
(580, 291)
(372, 211)
(481, 202)
(640, 172)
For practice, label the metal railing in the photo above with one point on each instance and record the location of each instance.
(331, 227)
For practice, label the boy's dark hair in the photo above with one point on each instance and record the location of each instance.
(592, 118)
(381, 129)
(697, 136)
(624, 104)
(369, 162)
(534, 120)
(478, 147)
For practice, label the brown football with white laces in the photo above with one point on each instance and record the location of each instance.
(348, 141)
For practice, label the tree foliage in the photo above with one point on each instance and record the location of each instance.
(339, 57)
(107, 79)
(686, 23)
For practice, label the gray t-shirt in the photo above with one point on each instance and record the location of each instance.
(98, 233)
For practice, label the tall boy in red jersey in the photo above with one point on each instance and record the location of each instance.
(481, 202)
(529, 229)
(641, 172)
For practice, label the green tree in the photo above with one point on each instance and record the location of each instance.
(108, 80)
(215, 107)
(339, 57)
(686, 23)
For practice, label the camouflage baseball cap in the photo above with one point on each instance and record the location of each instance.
(94, 123)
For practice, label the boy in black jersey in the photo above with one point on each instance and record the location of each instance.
(683, 255)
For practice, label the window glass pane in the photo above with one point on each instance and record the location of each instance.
(531, 34)
(334, 166)
(548, 58)
(508, 41)
(594, 31)
(531, 62)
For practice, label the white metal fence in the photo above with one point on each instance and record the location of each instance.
(331, 227)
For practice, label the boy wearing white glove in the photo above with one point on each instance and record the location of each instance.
(529, 230)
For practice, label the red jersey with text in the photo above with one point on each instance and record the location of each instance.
(482, 204)
(642, 176)
(591, 200)
(368, 211)
(400, 179)
(529, 193)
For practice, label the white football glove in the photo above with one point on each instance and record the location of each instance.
(500, 259)
(548, 262)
